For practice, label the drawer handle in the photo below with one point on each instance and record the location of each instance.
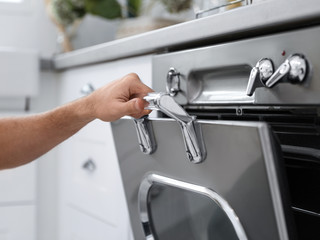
(89, 165)
(87, 89)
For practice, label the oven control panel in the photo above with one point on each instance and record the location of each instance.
(280, 69)
(293, 70)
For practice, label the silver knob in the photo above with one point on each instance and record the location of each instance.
(298, 71)
(294, 70)
(87, 89)
(259, 75)
(173, 82)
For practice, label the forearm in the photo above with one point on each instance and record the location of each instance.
(25, 139)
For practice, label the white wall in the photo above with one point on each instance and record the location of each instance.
(47, 172)
(26, 25)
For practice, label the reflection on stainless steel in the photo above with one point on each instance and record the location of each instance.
(151, 179)
(294, 67)
(259, 75)
(191, 132)
(145, 134)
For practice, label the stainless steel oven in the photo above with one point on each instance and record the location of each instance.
(234, 150)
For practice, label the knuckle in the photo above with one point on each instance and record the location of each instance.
(132, 77)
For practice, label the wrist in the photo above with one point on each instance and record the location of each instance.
(86, 109)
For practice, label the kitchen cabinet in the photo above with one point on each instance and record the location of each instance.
(92, 201)
(18, 200)
(17, 222)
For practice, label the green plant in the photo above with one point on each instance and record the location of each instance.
(65, 12)
(176, 6)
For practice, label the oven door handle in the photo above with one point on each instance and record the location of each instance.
(191, 132)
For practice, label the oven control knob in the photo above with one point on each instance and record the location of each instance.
(294, 70)
(173, 82)
(259, 75)
(299, 68)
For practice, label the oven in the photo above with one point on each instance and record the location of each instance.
(233, 152)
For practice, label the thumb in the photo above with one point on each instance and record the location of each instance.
(134, 106)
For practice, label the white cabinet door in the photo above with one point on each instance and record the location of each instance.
(92, 197)
(95, 181)
(83, 227)
(17, 223)
(18, 186)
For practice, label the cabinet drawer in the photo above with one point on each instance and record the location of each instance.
(18, 184)
(96, 131)
(80, 226)
(95, 184)
(17, 222)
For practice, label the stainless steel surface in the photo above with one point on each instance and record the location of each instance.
(150, 179)
(145, 135)
(264, 15)
(218, 75)
(259, 75)
(191, 132)
(87, 89)
(240, 167)
(173, 82)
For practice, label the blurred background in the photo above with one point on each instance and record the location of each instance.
(62, 195)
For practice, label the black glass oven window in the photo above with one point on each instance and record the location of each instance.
(177, 214)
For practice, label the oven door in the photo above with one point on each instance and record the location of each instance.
(235, 193)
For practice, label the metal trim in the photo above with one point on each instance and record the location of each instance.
(273, 181)
(152, 178)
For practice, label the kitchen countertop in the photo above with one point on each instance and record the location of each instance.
(248, 21)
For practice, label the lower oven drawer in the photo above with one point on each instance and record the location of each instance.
(235, 193)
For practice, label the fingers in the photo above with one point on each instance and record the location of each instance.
(135, 108)
(137, 88)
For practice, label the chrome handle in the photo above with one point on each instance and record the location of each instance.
(279, 74)
(89, 165)
(87, 89)
(145, 134)
(259, 75)
(173, 82)
(191, 132)
(294, 69)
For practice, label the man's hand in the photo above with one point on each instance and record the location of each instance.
(26, 138)
(119, 98)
